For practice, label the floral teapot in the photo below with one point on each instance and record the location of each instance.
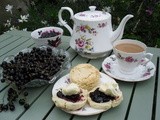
(92, 32)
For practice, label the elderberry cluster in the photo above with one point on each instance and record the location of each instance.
(48, 34)
(12, 96)
(37, 64)
(25, 67)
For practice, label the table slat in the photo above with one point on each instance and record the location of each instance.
(13, 45)
(4, 37)
(19, 33)
(40, 107)
(143, 98)
(58, 114)
(157, 115)
(27, 44)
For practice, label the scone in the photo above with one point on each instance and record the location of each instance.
(85, 75)
(70, 97)
(105, 96)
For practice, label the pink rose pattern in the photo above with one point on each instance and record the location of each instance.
(83, 44)
(108, 64)
(95, 16)
(67, 81)
(108, 67)
(92, 16)
(102, 25)
(86, 28)
(82, 14)
(80, 42)
(129, 59)
(148, 72)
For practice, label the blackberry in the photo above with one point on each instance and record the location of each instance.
(25, 93)
(5, 107)
(22, 101)
(4, 64)
(2, 80)
(12, 95)
(12, 107)
(1, 107)
(26, 106)
(49, 49)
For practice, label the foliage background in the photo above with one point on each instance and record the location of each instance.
(144, 26)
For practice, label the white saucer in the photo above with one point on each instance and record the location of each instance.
(94, 55)
(143, 72)
(86, 110)
(91, 55)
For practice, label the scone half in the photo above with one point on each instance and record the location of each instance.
(70, 103)
(101, 97)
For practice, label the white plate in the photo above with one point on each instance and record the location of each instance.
(143, 72)
(86, 110)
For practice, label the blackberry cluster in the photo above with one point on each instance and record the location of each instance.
(25, 67)
(37, 64)
(12, 97)
(100, 97)
(48, 34)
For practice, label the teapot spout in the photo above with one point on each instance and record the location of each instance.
(118, 33)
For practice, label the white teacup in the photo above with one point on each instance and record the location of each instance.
(130, 54)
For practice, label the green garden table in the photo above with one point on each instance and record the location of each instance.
(141, 99)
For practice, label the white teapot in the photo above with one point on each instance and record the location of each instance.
(92, 34)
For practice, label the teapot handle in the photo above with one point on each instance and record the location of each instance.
(63, 22)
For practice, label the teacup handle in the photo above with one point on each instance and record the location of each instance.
(148, 56)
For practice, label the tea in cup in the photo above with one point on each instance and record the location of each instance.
(130, 54)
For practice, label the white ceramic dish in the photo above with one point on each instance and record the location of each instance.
(86, 110)
(92, 30)
(142, 72)
(39, 40)
(90, 55)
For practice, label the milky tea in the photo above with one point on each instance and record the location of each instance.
(129, 48)
(129, 54)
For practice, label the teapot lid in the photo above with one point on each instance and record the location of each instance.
(92, 15)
